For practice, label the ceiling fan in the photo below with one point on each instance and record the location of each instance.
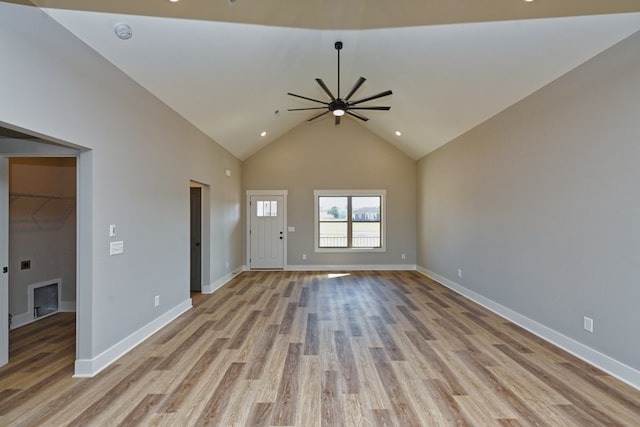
(341, 106)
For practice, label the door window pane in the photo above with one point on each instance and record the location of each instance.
(267, 208)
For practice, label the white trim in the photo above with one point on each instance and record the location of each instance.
(25, 318)
(30, 294)
(87, 368)
(613, 367)
(33, 148)
(249, 193)
(383, 222)
(18, 320)
(211, 288)
(354, 267)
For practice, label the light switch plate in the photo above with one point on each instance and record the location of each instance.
(116, 248)
(291, 229)
(112, 230)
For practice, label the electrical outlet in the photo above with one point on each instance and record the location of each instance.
(304, 256)
(156, 301)
(403, 256)
(459, 272)
(588, 324)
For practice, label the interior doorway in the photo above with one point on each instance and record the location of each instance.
(42, 237)
(200, 236)
(38, 227)
(195, 212)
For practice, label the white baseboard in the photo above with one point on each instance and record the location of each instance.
(339, 267)
(211, 288)
(21, 319)
(609, 365)
(87, 368)
(357, 267)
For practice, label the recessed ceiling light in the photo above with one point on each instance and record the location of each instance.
(398, 133)
(174, 1)
(264, 133)
(529, 1)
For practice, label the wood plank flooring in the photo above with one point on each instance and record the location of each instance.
(313, 349)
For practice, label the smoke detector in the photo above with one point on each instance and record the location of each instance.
(123, 31)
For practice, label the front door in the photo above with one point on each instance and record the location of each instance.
(267, 232)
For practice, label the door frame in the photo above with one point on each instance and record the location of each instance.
(197, 223)
(4, 260)
(205, 234)
(249, 193)
(39, 147)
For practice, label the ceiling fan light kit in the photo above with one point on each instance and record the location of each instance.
(339, 106)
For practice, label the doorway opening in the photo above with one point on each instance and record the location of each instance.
(40, 241)
(195, 212)
(42, 237)
(199, 230)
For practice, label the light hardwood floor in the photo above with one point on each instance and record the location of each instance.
(310, 349)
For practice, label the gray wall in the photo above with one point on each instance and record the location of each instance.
(539, 206)
(42, 231)
(141, 158)
(320, 155)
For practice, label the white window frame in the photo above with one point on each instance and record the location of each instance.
(338, 193)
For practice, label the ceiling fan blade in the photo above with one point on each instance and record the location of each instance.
(326, 89)
(337, 120)
(370, 108)
(308, 99)
(369, 98)
(357, 116)
(310, 108)
(355, 88)
(318, 115)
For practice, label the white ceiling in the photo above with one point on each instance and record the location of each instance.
(229, 78)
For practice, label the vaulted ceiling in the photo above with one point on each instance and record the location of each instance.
(227, 65)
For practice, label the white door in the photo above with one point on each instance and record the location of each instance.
(267, 231)
(4, 261)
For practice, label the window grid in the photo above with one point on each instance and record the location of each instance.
(361, 227)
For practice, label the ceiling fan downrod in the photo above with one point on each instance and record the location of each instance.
(338, 46)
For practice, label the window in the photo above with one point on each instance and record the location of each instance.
(268, 208)
(349, 220)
